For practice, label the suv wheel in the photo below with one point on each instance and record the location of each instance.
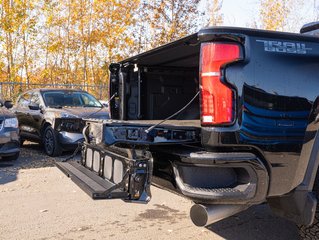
(50, 142)
(312, 232)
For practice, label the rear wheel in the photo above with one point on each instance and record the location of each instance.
(312, 232)
(50, 142)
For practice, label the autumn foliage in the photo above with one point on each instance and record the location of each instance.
(274, 14)
(74, 41)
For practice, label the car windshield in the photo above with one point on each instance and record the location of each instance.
(59, 99)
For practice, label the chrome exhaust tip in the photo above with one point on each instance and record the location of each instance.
(204, 215)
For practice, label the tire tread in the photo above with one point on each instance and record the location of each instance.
(57, 151)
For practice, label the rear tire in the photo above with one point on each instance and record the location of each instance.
(50, 142)
(312, 232)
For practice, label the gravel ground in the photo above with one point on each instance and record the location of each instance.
(39, 202)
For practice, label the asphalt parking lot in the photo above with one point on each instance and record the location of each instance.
(40, 202)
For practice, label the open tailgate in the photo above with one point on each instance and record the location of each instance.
(116, 161)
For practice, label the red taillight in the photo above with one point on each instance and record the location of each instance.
(216, 97)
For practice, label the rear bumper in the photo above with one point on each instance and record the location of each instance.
(221, 178)
(9, 149)
(9, 142)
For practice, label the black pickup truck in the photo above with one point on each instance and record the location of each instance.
(227, 117)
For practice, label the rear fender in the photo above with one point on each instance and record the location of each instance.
(300, 204)
(310, 151)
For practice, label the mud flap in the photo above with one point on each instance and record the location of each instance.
(111, 172)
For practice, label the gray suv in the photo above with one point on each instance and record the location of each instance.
(55, 117)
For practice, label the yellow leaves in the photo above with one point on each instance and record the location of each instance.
(73, 41)
(273, 13)
(215, 15)
(49, 20)
(55, 47)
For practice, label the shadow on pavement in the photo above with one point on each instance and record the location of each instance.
(255, 223)
(31, 156)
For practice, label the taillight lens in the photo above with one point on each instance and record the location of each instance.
(216, 97)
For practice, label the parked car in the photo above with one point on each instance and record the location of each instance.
(55, 117)
(9, 133)
(227, 117)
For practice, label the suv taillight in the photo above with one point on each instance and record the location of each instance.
(216, 97)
